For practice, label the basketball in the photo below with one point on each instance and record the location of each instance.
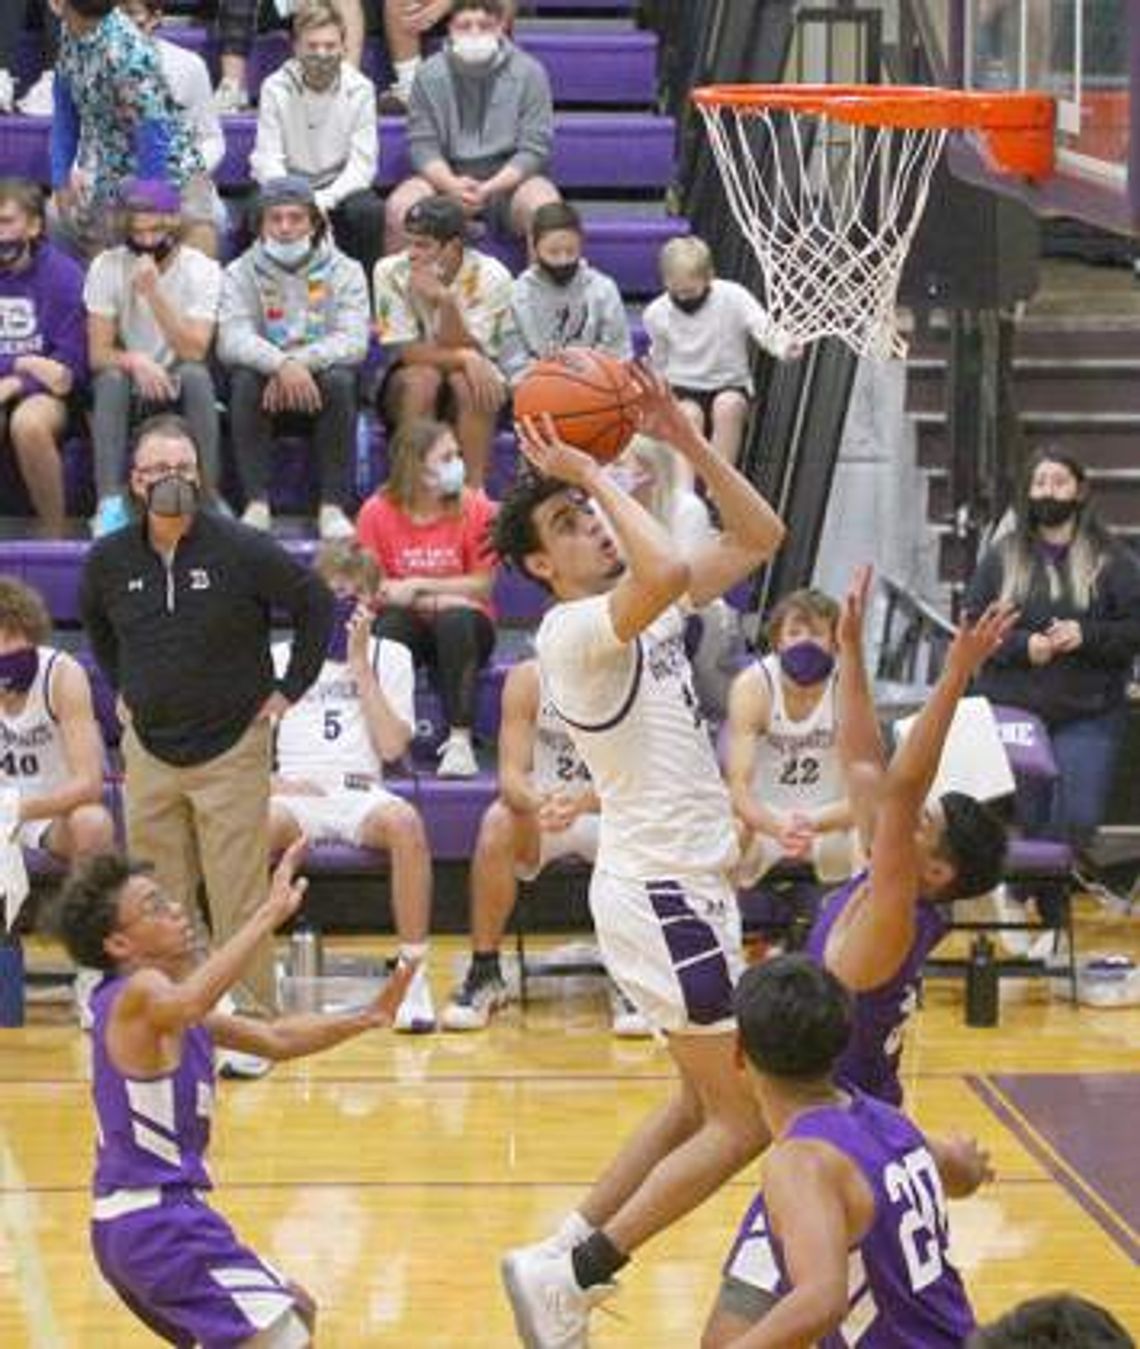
(591, 395)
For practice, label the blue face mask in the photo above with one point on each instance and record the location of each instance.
(450, 477)
(290, 254)
(806, 662)
(18, 670)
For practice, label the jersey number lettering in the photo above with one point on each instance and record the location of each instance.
(14, 765)
(914, 1185)
(800, 772)
(333, 724)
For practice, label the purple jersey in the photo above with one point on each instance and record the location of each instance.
(153, 1131)
(903, 1290)
(870, 1062)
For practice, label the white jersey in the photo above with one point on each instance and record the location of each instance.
(632, 713)
(324, 737)
(32, 757)
(797, 762)
(557, 765)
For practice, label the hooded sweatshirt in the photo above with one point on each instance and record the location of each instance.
(477, 120)
(547, 317)
(316, 313)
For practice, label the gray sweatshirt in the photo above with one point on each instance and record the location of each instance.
(477, 122)
(586, 313)
(317, 313)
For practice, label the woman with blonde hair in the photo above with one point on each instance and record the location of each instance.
(430, 534)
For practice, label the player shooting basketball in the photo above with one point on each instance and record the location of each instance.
(611, 652)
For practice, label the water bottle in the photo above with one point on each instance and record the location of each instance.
(11, 982)
(305, 952)
(982, 984)
(363, 479)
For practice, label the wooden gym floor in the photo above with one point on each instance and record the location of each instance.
(388, 1175)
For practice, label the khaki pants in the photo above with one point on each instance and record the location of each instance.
(208, 822)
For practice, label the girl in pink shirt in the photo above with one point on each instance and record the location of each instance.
(431, 536)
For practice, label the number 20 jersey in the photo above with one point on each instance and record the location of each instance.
(903, 1291)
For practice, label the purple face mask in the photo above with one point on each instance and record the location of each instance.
(18, 670)
(344, 606)
(806, 662)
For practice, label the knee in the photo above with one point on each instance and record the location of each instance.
(416, 389)
(338, 383)
(460, 388)
(399, 827)
(196, 378)
(497, 830)
(34, 418)
(90, 830)
(730, 406)
(111, 382)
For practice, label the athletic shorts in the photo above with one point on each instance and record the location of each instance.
(673, 946)
(180, 1268)
(704, 398)
(338, 817)
(580, 840)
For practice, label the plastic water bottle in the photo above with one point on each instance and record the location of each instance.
(362, 467)
(305, 958)
(11, 982)
(982, 995)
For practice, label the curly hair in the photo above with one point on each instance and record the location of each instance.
(23, 612)
(515, 535)
(86, 911)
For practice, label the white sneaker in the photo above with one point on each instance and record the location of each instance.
(332, 523)
(551, 1311)
(232, 1063)
(473, 1003)
(416, 1014)
(571, 1231)
(86, 982)
(7, 92)
(231, 97)
(39, 101)
(626, 1022)
(457, 758)
(257, 516)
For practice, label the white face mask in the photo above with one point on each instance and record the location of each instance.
(289, 253)
(450, 477)
(474, 49)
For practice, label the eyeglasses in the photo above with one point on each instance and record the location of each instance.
(155, 904)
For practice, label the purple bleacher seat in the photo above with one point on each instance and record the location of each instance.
(452, 809)
(517, 598)
(1029, 857)
(1027, 744)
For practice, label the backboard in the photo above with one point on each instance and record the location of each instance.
(1086, 53)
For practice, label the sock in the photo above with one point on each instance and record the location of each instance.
(413, 952)
(405, 73)
(596, 1260)
(486, 964)
(573, 1230)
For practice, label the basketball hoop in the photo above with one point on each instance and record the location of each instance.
(829, 182)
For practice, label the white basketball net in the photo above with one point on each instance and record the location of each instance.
(830, 209)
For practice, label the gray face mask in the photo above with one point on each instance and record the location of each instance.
(320, 70)
(173, 496)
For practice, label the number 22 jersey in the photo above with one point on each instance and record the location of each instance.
(903, 1291)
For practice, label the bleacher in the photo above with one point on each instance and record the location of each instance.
(614, 157)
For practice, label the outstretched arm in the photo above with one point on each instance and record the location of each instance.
(655, 577)
(861, 753)
(751, 531)
(963, 1164)
(868, 950)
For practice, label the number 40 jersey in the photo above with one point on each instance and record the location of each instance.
(903, 1291)
(32, 757)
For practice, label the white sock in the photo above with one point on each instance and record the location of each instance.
(405, 73)
(573, 1229)
(459, 733)
(412, 952)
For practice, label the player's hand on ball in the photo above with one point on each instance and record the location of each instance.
(383, 1011)
(552, 457)
(661, 415)
(287, 889)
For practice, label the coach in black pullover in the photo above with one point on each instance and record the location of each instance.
(178, 610)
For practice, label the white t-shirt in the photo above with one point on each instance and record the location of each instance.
(32, 757)
(708, 349)
(190, 282)
(324, 737)
(797, 762)
(632, 712)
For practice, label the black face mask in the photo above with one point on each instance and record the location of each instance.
(12, 252)
(691, 303)
(1051, 511)
(160, 250)
(561, 273)
(172, 496)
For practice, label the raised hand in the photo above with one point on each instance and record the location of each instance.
(287, 889)
(965, 1163)
(975, 642)
(661, 414)
(551, 456)
(853, 611)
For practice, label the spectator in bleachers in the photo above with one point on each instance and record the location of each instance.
(783, 766)
(480, 127)
(178, 611)
(1077, 592)
(203, 214)
(700, 334)
(332, 746)
(51, 751)
(445, 311)
(547, 809)
(14, 20)
(43, 355)
(293, 335)
(560, 300)
(406, 23)
(237, 29)
(317, 120)
(152, 310)
(111, 97)
(430, 533)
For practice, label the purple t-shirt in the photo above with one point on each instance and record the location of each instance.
(903, 1290)
(42, 314)
(151, 1131)
(870, 1062)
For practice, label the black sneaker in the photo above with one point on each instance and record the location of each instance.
(472, 1004)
